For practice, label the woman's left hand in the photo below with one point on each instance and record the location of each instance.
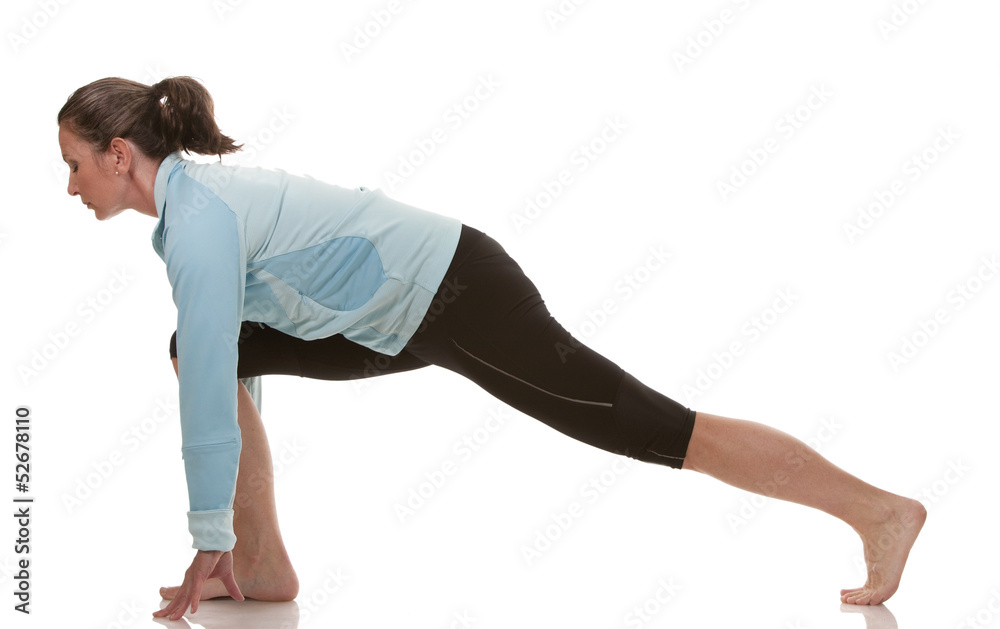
(207, 564)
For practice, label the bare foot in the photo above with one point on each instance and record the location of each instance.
(264, 580)
(887, 545)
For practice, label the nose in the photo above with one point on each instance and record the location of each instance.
(71, 189)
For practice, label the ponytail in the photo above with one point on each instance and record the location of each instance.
(176, 113)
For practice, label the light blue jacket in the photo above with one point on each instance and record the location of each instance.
(305, 257)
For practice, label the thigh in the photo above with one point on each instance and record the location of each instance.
(266, 351)
(490, 324)
(487, 307)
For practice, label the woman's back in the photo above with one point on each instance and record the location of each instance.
(319, 259)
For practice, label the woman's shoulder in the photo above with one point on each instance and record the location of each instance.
(201, 183)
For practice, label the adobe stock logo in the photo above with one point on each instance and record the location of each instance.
(913, 169)
(580, 159)
(86, 312)
(32, 25)
(365, 34)
(455, 116)
(956, 300)
(753, 329)
(713, 28)
(788, 125)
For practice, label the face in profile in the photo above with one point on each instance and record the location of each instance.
(91, 176)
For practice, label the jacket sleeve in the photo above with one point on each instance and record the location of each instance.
(206, 266)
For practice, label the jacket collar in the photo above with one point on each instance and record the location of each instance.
(160, 197)
(162, 175)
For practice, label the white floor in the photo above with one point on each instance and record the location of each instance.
(820, 180)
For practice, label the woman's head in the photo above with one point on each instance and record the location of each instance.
(174, 114)
(111, 129)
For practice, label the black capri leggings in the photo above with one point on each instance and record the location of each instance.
(488, 323)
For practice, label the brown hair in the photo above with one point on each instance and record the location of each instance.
(176, 113)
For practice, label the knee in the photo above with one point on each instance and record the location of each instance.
(656, 428)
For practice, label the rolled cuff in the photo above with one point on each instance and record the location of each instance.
(212, 530)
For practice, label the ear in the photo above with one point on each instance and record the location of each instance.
(120, 154)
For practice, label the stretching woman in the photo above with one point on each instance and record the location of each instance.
(278, 274)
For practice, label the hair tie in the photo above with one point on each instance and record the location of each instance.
(159, 93)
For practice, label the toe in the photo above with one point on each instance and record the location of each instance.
(213, 588)
(169, 592)
(851, 596)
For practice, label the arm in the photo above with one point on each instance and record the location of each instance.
(206, 267)
(206, 262)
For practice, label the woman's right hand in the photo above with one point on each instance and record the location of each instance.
(207, 564)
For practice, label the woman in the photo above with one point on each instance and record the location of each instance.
(273, 273)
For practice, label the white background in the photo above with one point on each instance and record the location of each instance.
(283, 83)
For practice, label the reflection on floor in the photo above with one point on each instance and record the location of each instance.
(876, 617)
(230, 614)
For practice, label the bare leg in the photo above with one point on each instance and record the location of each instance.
(260, 561)
(766, 461)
